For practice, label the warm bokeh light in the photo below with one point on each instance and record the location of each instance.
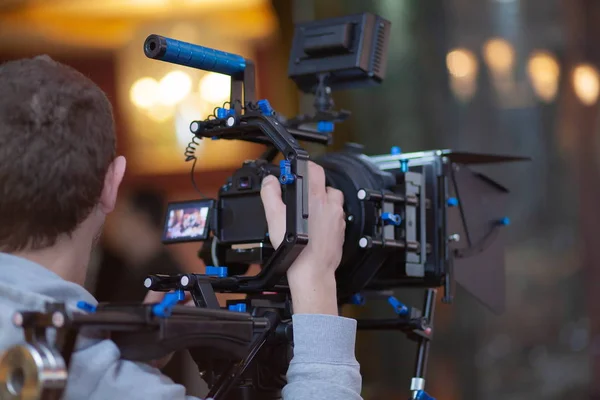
(192, 108)
(215, 88)
(586, 83)
(144, 92)
(461, 63)
(499, 55)
(160, 112)
(174, 87)
(463, 66)
(544, 72)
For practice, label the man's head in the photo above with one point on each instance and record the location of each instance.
(58, 172)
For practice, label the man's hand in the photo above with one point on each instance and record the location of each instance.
(312, 276)
(156, 297)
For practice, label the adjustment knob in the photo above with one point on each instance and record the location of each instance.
(391, 219)
(452, 202)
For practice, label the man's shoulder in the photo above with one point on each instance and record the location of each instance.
(27, 286)
(33, 281)
(14, 299)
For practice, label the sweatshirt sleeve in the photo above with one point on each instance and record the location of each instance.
(324, 365)
(97, 373)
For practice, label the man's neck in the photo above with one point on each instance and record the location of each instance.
(67, 258)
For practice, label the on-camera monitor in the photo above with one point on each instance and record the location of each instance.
(187, 221)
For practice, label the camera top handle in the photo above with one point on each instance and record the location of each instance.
(256, 122)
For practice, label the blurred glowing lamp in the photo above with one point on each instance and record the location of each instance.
(499, 55)
(215, 88)
(174, 87)
(192, 108)
(461, 63)
(160, 112)
(544, 71)
(586, 82)
(144, 93)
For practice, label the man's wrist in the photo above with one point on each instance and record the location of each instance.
(313, 292)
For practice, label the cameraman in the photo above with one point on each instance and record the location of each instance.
(60, 175)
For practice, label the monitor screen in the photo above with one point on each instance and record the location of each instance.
(187, 221)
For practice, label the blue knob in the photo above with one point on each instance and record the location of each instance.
(165, 307)
(422, 395)
(404, 166)
(285, 173)
(358, 299)
(391, 219)
(395, 150)
(240, 307)
(265, 107)
(325, 126)
(87, 307)
(221, 113)
(399, 308)
(452, 202)
(504, 221)
(224, 112)
(220, 272)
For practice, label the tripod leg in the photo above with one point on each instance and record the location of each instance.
(417, 385)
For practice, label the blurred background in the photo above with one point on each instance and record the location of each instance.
(501, 76)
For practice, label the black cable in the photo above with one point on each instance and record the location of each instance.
(190, 155)
(190, 150)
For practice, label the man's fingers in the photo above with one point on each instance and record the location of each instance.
(316, 180)
(270, 193)
(154, 297)
(335, 196)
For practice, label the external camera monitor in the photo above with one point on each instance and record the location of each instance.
(351, 51)
(187, 221)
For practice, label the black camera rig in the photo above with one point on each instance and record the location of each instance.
(413, 220)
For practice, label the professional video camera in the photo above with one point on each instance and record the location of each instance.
(413, 220)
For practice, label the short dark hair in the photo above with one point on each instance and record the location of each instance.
(57, 140)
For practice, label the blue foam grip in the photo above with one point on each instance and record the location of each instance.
(221, 272)
(452, 202)
(285, 173)
(395, 150)
(391, 219)
(265, 107)
(422, 395)
(165, 307)
(504, 221)
(87, 307)
(325, 126)
(194, 56)
(241, 307)
(399, 308)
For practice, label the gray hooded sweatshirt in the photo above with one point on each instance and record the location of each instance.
(323, 367)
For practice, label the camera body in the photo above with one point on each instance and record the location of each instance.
(239, 200)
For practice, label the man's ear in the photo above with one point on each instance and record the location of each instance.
(112, 181)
